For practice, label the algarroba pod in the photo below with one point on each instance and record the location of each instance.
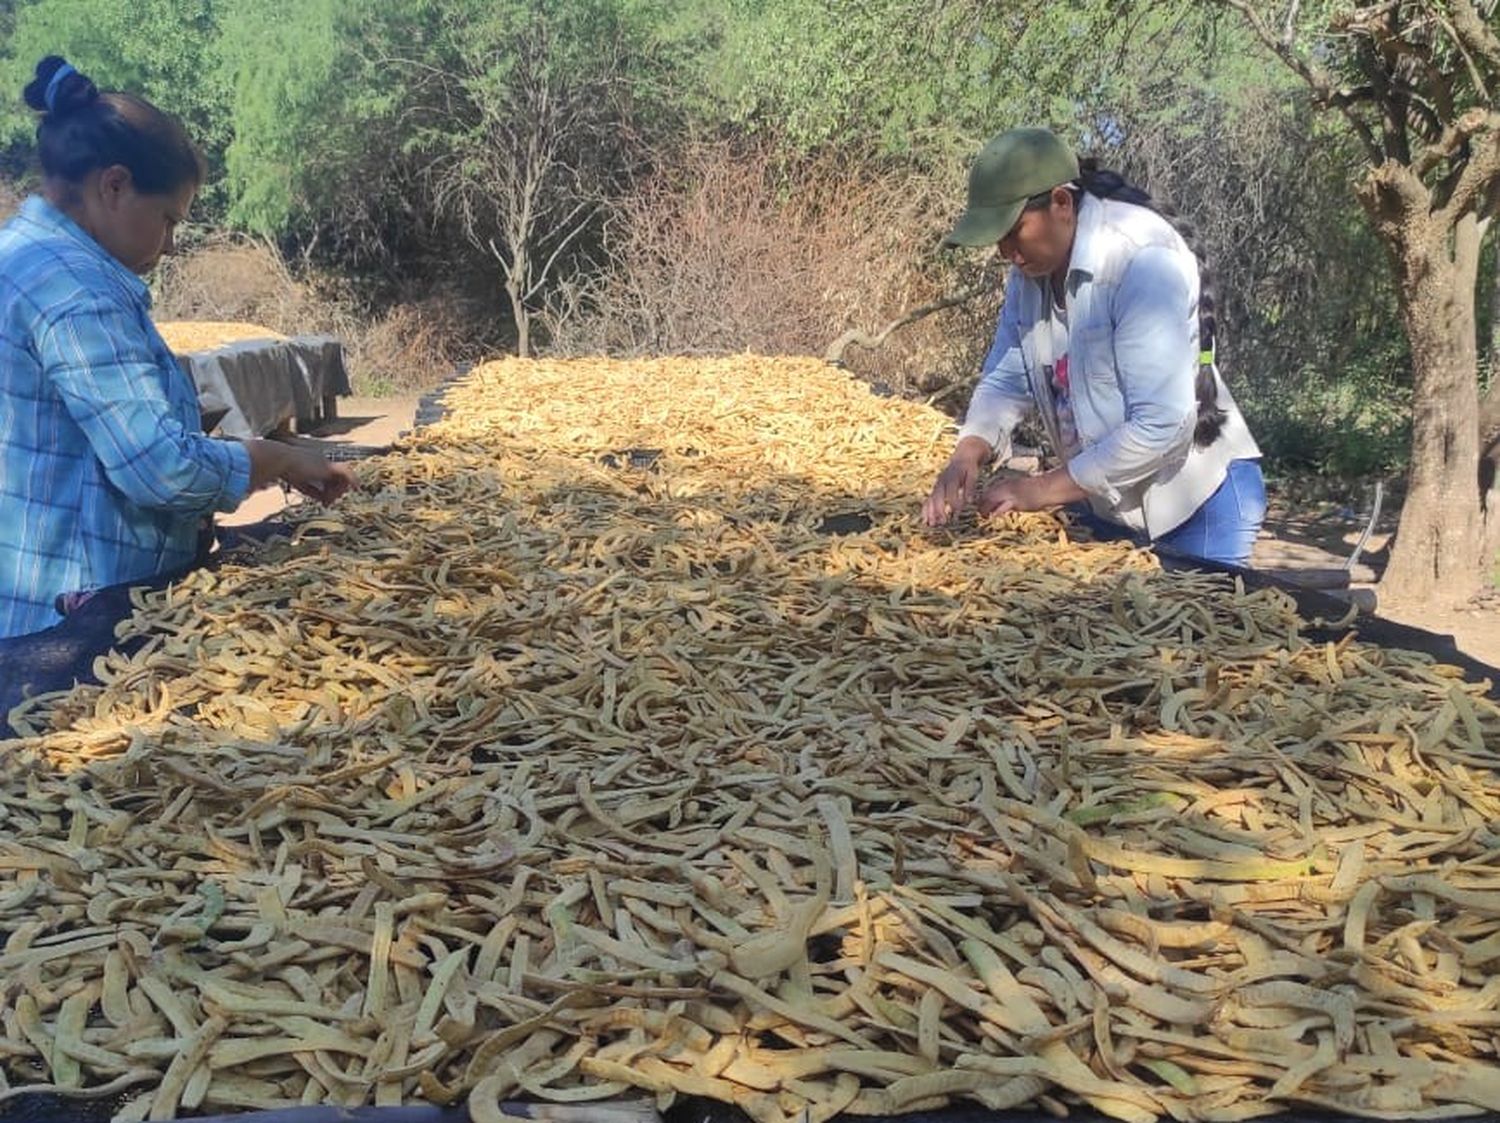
(594, 750)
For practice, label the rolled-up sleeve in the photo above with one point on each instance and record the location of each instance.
(102, 366)
(1155, 336)
(1003, 396)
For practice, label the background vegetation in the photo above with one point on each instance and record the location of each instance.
(436, 178)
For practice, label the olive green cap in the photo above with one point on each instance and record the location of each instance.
(1010, 169)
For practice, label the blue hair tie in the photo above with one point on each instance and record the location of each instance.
(49, 98)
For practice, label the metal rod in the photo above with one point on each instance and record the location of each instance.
(1369, 526)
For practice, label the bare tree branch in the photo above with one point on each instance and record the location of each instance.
(1477, 35)
(538, 143)
(1318, 80)
(576, 228)
(1477, 186)
(1455, 136)
(1459, 44)
(499, 255)
(1393, 116)
(857, 337)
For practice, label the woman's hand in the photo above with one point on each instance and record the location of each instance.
(317, 477)
(304, 469)
(1008, 494)
(956, 484)
(1030, 493)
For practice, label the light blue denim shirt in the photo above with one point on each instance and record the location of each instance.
(1132, 340)
(105, 474)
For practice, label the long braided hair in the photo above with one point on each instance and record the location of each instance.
(1105, 184)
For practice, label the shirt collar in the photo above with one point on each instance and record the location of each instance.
(39, 212)
(1086, 243)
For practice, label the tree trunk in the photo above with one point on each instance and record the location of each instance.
(515, 288)
(1494, 309)
(523, 331)
(1489, 421)
(1437, 551)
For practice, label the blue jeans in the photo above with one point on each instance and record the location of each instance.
(1222, 530)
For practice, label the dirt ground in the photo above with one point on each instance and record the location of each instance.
(364, 422)
(1324, 535)
(1304, 536)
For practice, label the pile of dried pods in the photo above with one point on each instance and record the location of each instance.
(577, 758)
(186, 336)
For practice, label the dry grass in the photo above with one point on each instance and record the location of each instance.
(403, 348)
(238, 281)
(409, 347)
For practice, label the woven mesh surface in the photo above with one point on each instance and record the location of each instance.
(48, 1107)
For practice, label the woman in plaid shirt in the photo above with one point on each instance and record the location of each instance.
(106, 475)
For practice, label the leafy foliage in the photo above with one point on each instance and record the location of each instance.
(159, 48)
(375, 139)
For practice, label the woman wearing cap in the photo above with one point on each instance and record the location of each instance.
(105, 473)
(1107, 333)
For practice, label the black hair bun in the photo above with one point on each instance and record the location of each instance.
(58, 88)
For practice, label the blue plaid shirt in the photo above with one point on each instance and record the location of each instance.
(105, 474)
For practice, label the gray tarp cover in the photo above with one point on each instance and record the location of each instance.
(263, 382)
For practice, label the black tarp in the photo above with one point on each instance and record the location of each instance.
(1324, 613)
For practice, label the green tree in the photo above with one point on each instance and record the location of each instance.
(319, 112)
(362, 128)
(931, 80)
(7, 26)
(529, 126)
(160, 49)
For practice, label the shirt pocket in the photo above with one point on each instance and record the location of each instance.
(1091, 365)
(1096, 390)
(1092, 349)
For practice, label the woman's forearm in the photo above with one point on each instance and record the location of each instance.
(1058, 488)
(268, 462)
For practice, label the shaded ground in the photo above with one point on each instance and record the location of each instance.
(1312, 534)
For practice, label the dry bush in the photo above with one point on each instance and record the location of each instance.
(403, 348)
(727, 250)
(235, 279)
(411, 346)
